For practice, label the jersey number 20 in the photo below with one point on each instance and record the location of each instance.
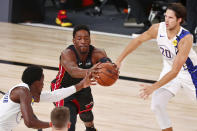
(165, 52)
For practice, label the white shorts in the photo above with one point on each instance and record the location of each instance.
(183, 80)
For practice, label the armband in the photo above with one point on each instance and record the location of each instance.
(105, 59)
(50, 124)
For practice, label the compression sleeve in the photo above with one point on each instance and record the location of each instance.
(57, 95)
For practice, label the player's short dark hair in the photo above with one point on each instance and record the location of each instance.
(60, 116)
(32, 74)
(179, 9)
(80, 27)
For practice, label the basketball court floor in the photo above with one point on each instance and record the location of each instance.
(118, 107)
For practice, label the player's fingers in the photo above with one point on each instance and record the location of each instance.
(95, 75)
(96, 71)
(118, 64)
(93, 83)
(145, 91)
(89, 75)
(97, 65)
(118, 72)
(146, 97)
(115, 66)
(142, 85)
(141, 93)
(142, 90)
(93, 80)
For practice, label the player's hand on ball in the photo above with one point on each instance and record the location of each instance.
(95, 70)
(86, 82)
(108, 74)
(118, 64)
(116, 67)
(89, 79)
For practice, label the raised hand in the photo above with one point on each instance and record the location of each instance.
(87, 81)
(94, 70)
(118, 64)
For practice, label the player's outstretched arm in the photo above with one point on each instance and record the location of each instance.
(69, 62)
(62, 93)
(151, 33)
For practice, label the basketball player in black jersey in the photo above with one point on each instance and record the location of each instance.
(75, 61)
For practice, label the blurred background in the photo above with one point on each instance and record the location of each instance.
(126, 17)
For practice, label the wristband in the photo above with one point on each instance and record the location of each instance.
(50, 124)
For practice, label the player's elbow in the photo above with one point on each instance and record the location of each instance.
(174, 72)
(137, 41)
(29, 123)
(72, 73)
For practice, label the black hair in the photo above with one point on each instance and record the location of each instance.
(32, 74)
(179, 9)
(81, 27)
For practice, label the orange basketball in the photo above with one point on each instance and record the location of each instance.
(108, 74)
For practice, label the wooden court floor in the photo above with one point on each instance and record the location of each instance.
(117, 108)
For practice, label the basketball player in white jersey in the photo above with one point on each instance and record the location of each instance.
(60, 119)
(179, 62)
(17, 103)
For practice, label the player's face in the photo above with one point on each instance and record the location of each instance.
(82, 41)
(171, 20)
(40, 84)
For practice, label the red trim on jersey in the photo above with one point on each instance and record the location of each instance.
(78, 106)
(57, 84)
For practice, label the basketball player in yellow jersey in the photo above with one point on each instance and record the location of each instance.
(179, 62)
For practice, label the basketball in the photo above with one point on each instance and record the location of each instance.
(108, 74)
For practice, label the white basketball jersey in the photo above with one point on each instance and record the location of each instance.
(169, 50)
(10, 112)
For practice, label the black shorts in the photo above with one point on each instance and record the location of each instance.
(82, 99)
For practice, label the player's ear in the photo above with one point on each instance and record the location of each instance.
(73, 40)
(180, 20)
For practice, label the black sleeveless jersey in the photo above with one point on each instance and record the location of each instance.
(63, 79)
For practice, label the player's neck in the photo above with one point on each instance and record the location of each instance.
(83, 57)
(173, 32)
(35, 94)
(62, 129)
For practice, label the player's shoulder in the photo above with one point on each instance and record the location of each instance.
(68, 55)
(21, 90)
(67, 51)
(153, 31)
(155, 27)
(99, 51)
(188, 38)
